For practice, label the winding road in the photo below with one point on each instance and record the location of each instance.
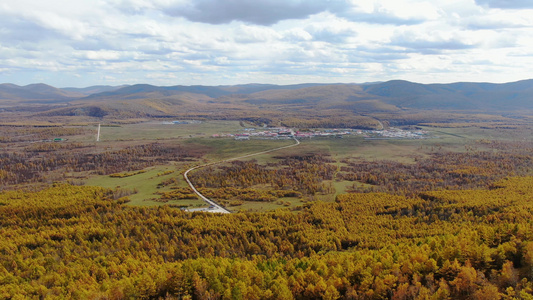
(213, 206)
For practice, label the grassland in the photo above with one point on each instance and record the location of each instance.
(226, 148)
(158, 130)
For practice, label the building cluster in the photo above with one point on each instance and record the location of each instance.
(287, 133)
(266, 133)
(182, 122)
(396, 133)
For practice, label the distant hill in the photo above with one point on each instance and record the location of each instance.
(36, 92)
(307, 94)
(382, 95)
(457, 96)
(138, 91)
(93, 89)
(379, 97)
(407, 94)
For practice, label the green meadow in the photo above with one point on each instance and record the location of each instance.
(159, 130)
(145, 186)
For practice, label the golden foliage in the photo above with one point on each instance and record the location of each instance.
(76, 242)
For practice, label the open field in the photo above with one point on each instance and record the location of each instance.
(477, 133)
(227, 148)
(356, 146)
(195, 139)
(157, 130)
(453, 139)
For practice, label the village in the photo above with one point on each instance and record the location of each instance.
(288, 133)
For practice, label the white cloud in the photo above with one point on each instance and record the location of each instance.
(103, 55)
(510, 4)
(255, 34)
(238, 41)
(164, 76)
(222, 60)
(296, 35)
(248, 11)
(333, 31)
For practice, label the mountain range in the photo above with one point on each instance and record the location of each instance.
(390, 96)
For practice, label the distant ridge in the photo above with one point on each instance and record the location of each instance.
(389, 96)
(136, 91)
(38, 91)
(93, 89)
(460, 95)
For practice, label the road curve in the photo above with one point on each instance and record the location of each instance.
(215, 207)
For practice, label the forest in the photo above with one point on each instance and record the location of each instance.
(82, 243)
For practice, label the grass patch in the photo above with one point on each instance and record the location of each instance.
(355, 146)
(156, 130)
(255, 206)
(342, 186)
(225, 148)
(146, 185)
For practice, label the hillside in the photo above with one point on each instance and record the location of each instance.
(456, 96)
(402, 94)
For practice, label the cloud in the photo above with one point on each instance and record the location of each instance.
(332, 32)
(430, 42)
(475, 18)
(250, 11)
(103, 55)
(297, 35)
(390, 12)
(506, 4)
(15, 30)
(380, 17)
(133, 7)
(235, 41)
(377, 54)
(495, 24)
(255, 34)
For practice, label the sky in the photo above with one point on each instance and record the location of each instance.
(80, 43)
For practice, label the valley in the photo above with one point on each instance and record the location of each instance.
(266, 150)
(163, 152)
(335, 192)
